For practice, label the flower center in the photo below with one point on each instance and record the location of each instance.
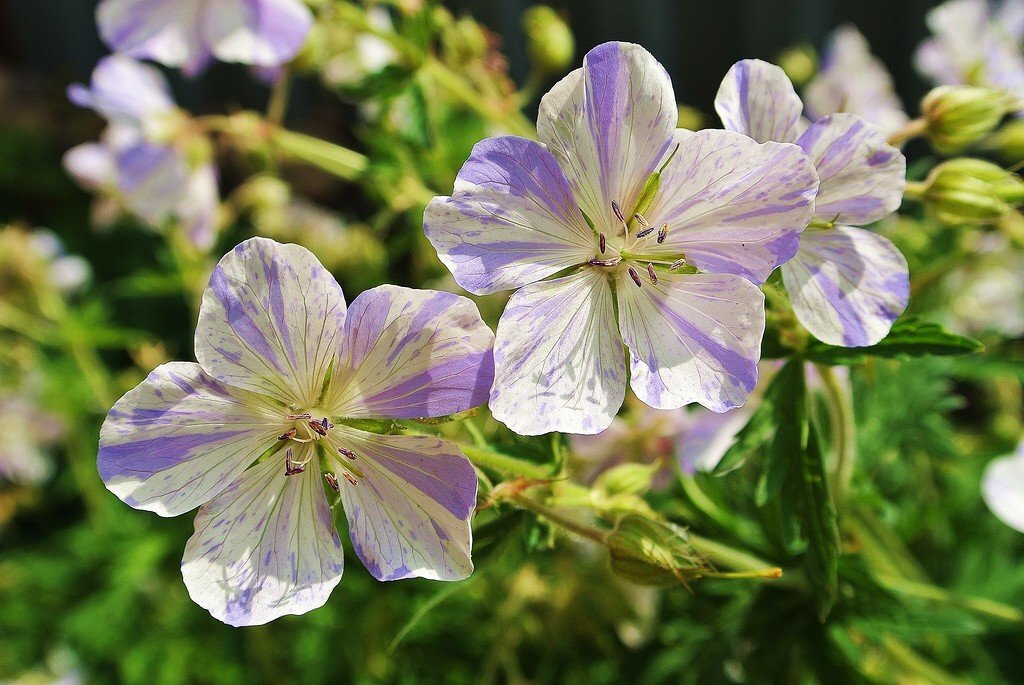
(635, 236)
(307, 431)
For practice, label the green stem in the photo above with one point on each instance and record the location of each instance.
(488, 458)
(844, 432)
(741, 561)
(277, 107)
(915, 128)
(979, 605)
(337, 160)
(463, 91)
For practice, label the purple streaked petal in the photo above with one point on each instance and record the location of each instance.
(92, 165)
(558, 358)
(199, 207)
(708, 436)
(125, 91)
(733, 205)
(692, 338)
(265, 33)
(512, 220)
(847, 285)
(152, 179)
(609, 124)
(757, 98)
(861, 176)
(270, 321)
(411, 354)
(179, 438)
(1002, 488)
(160, 30)
(266, 547)
(410, 509)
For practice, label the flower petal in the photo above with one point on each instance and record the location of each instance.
(708, 436)
(512, 220)
(847, 285)
(410, 354)
(410, 509)
(266, 547)
(152, 180)
(198, 210)
(155, 29)
(270, 320)
(609, 125)
(733, 205)
(558, 358)
(180, 437)
(758, 99)
(861, 176)
(692, 338)
(125, 91)
(1002, 488)
(265, 33)
(92, 165)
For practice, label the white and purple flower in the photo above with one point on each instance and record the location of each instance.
(140, 161)
(1002, 488)
(266, 424)
(973, 45)
(854, 80)
(192, 33)
(847, 284)
(600, 228)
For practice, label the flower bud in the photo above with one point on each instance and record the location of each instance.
(959, 116)
(549, 40)
(465, 41)
(800, 63)
(627, 479)
(972, 191)
(1008, 142)
(648, 551)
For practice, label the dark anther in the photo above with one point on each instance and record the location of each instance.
(636, 277)
(662, 234)
(605, 262)
(332, 481)
(641, 220)
(650, 272)
(288, 434)
(646, 232)
(346, 453)
(290, 467)
(618, 212)
(298, 417)
(350, 478)
(318, 427)
(604, 242)
(678, 264)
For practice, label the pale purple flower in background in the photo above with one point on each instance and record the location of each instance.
(572, 207)
(26, 432)
(847, 285)
(67, 273)
(1002, 488)
(853, 80)
(138, 162)
(257, 430)
(192, 33)
(986, 293)
(974, 44)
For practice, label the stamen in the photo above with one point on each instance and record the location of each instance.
(662, 234)
(641, 220)
(678, 264)
(635, 276)
(618, 212)
(346, 453)
(614, 261)
(288, 434)
(650, 272)
(350, 478)
(318, 428)
(604, 243)
(646, 232)
(290, 467)
(332, 481)
(298, 417)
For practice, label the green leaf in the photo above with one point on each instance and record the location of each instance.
(908, 338)
(820, 524)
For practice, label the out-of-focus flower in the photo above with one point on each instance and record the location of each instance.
(854, 80)
(987, 292)
(847, 285)
(972, 45)
(30, 260)
(252, 432)
(148, 160)
(971, 191)
(549, 40)
(356, 54)
(26, 433)
(800, 63)
(957, 117)
(192, 33)
(616, 194)
(1002, 488)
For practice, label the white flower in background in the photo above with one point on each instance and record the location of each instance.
(1002, 487)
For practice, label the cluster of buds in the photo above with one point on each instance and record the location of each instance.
(958, 117)
(971, 191)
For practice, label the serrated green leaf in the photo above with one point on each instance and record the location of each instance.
(908, 338)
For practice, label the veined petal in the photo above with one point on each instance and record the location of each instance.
(609, 125)
(410, 354)
(847, 285)
(270, 321)
(708, 436)
(558, 361)
(861, 176)
(692, 338)
(733, 205)
(152, 180)
(125, 91)
(156, 29)
(180, 437)
(1002, 487)
(758, 99)
(513, 218)
(409, 511)
(265, 33)
(197, 211)
(266, 547)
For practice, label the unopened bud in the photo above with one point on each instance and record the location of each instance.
(648, 551)
(1008, 142)
(800, 63)
(465, 41)
(972, 191)
(959, 116)
(631, 479)
(690, 118)
(549, 40)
